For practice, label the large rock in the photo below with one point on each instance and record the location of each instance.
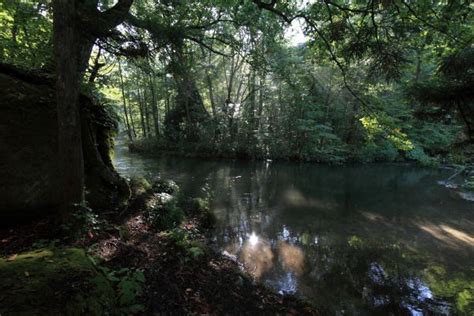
(54, 281)
(28, 149)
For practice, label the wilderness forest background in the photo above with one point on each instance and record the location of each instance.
(92, 91)
(370, 81)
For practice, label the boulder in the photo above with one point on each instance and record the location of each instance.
(28, 149)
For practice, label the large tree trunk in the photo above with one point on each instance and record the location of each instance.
(189, 108)
(125, 111)
(154, 106)
(147, 113)
(73, 41)
(142, 108)
(71, 164)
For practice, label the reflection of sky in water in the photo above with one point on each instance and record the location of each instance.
(287, 284)
(290, 223)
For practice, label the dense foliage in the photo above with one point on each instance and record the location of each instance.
(363, 81)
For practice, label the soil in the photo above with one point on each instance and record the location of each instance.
(178, 280)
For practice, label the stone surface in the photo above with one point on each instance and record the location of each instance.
(28, 150)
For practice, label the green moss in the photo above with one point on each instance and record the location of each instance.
(457, 289)
(139, 186)
(53, 281)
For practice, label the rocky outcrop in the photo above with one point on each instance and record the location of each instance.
(28, 149)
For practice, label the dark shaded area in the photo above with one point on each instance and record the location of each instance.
(375, 238)
(28, 138)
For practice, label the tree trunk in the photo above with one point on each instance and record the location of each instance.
(125, 112)
(210, 88)
(260, 102)
(142, 114)
(130, 114)
(167, 96)
(154, 107)
(147, 114)
(70, 156)
(251, 110)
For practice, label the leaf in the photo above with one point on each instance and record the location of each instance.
(140, 276)
(12, 257)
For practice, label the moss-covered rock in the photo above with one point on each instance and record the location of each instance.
(199, 208)
(139, 186)
(28, 142)
(53, 281)
(166, 186)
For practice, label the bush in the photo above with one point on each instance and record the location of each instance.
(199, 208)
(419, 155)
(191, 249)
(165, 214)
(166, 186)
(469, 184)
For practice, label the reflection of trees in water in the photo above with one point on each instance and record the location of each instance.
(303, 215)
(361, 276)
(316, 214)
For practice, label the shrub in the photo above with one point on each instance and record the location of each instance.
(166, 186)
(165, 214)
(199, 207)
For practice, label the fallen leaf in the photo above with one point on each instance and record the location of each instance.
(12, 257)
(27, 273)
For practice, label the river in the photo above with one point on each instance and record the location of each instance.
(354, 239)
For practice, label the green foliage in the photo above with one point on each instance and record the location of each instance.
(192, 250)
(165, 214)
(251, 93)
(469, 184)
(199, 207)
(419, 155)
(83, 221)
(226, 81)
(435, 137)
(25, 36)
(128, 284)
(458, 289)
(165, 186)
(139, 186)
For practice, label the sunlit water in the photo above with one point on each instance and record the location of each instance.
(361, 239)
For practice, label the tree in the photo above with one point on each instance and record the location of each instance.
(75, 31)
(66, 48)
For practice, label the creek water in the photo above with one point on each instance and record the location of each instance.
(354, 239)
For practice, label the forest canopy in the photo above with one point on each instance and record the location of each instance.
(379, 80)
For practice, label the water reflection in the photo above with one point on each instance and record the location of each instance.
(256, 255)
(292, 257)
(381, 238)
(259, 255)
(449, 235)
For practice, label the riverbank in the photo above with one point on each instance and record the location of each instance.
(462, 155)
(146, 260)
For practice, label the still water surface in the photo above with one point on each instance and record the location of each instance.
(359, 239)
